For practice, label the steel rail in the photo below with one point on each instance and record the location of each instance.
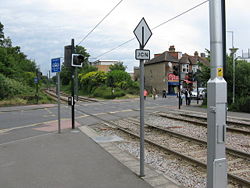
(204, 124)
(231, 176)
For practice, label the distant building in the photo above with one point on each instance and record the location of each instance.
(103, 65)
(136, 73)
(159, 72)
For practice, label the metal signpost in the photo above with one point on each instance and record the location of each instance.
(55, 67)
(217, 98)
(142, 33)
(72, 86)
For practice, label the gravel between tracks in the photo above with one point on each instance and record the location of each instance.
(186, 173)
(234, 140)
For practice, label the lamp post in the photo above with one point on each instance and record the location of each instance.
(233, 51)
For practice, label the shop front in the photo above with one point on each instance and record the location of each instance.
(173, 83)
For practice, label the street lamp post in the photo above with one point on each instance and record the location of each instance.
(233, 51)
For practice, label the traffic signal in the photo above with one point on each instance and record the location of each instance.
(176, 70)
(67, 55)
(77, 60)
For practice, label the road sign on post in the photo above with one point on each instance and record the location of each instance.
(142, 54)
(56, 68)
(55, 65)
(142, 33)
(35, 80)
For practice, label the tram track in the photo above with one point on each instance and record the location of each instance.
(235, 158)
(150, 130)
(64, 97)
(198, 120)
(156, 140)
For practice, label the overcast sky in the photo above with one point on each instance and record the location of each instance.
(43, 27)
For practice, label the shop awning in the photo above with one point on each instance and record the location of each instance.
(188, 82)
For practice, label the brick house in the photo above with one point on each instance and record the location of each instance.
(103, 65)
(159, 70)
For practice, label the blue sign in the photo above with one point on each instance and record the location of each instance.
(35, 80)
(55, 65)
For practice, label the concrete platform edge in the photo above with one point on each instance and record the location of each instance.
(154, 178)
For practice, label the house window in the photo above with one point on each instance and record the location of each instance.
(185, 68)
(195, 68)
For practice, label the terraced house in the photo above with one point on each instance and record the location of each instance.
(159, 71)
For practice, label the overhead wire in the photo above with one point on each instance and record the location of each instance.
(100, 21)
(190, 9)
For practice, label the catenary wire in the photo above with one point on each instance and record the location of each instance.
(196, 6)
(100, 21)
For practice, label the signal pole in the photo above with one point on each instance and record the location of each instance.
(72, 87)
(217, 98)
(179, 73)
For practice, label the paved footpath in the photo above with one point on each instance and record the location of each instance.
(69, 160)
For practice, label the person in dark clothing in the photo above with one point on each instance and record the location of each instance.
(186, 96)
(164, 94)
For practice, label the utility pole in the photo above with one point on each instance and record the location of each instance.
(37, 86)
(233, 51)
(223, 11)
(217, 98)
(49, 80)
(179, 73)
(72, 87)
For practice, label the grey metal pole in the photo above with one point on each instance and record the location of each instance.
(217, 97)
(49, 80)
(72, 87)
(179, 87)
(197, 93)
(233, 50)
(76, 84)
(142, 110)
(59, 114)
(142, 118)
(233, 77)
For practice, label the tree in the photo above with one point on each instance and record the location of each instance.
(118, 66)
(118, 78)
(92, 80)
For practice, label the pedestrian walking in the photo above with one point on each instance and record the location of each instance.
(188, 97)
(154, 93)
(164, 94)
(182, 98)
(145, 94)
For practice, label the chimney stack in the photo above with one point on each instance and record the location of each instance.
(203, 55)
(171, 48)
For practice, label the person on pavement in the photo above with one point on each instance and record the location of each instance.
(145, 94)
(154, 93)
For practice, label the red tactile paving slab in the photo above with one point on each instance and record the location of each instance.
(53, 126)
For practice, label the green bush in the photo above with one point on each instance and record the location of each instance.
(134, 88)
(241, 104)
(106, 92)
(10, 88)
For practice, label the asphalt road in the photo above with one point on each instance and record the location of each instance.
(27, 121)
